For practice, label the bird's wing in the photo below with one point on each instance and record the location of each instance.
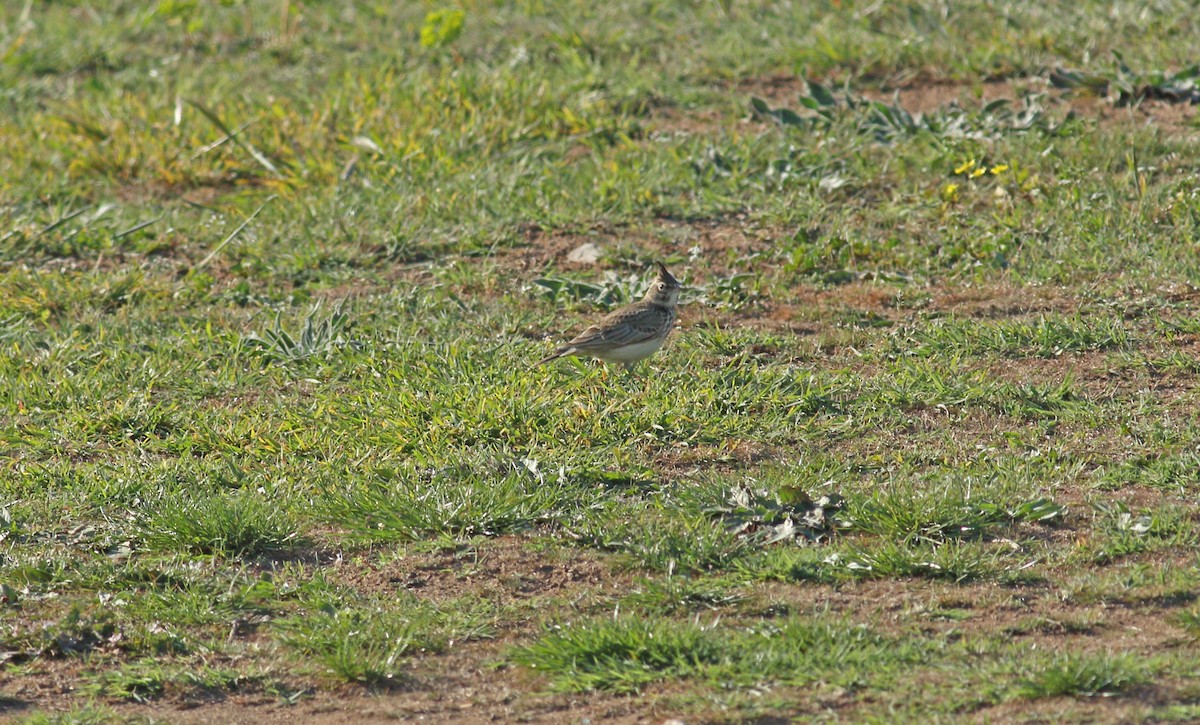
(623, 327)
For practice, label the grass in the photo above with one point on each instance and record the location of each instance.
(627, 654)
(457, 501)
(234, 524)
(1044, 337)
(1084, 676)
(92, 714)
(272, 276)
(144, 680)
(358, 643)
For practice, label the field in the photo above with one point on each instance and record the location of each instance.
(924, 445)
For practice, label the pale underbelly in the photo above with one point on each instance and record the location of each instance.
(630, 353)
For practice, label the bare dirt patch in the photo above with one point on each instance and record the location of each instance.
(926, 95)
(809, 309)
(1062, 709)
(1004, 300)
(672, 121)
(705, 246)
(1175, 118)
(466, 687)
(916, 96)
(732, 456)
(781, 88)
(502, 570)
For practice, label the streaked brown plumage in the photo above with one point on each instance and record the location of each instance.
(630, 334)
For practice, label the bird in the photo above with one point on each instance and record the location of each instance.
(632, 333)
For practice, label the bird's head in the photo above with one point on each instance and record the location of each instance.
(665, 288)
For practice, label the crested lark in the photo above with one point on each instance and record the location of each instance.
(630, 334)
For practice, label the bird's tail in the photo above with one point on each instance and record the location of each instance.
(560, 352)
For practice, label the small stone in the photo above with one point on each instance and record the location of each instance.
(587, 253)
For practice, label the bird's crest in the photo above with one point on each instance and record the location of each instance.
(666, 276)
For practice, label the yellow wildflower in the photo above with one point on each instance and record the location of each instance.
(950, 193)
(978, 172)
(965, 167)
(999, 169)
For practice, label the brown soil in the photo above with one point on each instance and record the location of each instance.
(924, 95)
(503, 571)
(714, 244)
(465, 685)
(917, 97)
